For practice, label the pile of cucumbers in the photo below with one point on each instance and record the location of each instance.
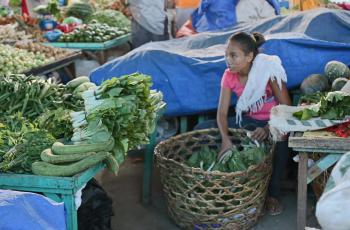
(94, 32)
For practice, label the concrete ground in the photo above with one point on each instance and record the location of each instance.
(130, 214)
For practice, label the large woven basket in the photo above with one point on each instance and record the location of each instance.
(198, 199)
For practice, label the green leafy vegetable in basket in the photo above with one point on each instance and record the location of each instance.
(234, 160)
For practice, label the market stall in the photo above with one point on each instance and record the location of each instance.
(56, 137)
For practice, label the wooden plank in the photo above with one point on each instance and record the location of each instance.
(328, 143)
(322, 165)
(302, 191)
(84, 177)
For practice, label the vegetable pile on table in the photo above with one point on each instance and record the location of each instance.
(49, 51)
(333, 106)
(93, 32)
(14, 60)
(75, 126)
(112, 18)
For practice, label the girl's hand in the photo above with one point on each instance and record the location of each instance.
(260, 134)
(225, 145)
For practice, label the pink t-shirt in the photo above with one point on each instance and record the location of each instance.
(230, 81)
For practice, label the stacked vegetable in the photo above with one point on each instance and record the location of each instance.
(14, 60)
(118, 115)
(335, 76)
(238, 158)
(93, 32)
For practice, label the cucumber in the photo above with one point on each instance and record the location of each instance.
(61, 149)
(77, 81)
(48, 156)
(47, 169)
(82, 87)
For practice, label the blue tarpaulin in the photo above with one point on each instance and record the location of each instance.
(213, 15)
(30, 211)
(188, 70)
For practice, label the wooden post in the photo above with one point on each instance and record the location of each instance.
(302, 191)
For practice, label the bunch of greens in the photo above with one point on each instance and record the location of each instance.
(112, 18)
(124, 109)
(12, 129)
(33, 96)
(236, 159)
(19, 159)
(333, 106)
(57, 122)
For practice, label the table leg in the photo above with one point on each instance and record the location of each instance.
(71, 212)
(148, 169)
(302, 191)
(183, 124)
(102, 57)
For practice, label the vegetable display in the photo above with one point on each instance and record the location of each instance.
(9, 33)
(14, 60)
(93, 32)
(49, 51)
(333, 106)
(112, 18)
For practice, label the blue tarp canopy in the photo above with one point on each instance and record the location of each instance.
(188, 70)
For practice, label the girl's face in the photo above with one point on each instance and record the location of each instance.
(236, 59)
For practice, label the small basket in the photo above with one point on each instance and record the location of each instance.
(198, 199)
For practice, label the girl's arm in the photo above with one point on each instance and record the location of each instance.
(224, 104)
(282, 97)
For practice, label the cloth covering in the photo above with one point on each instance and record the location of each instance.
(282, 121)
(332, 209)
(264, 68)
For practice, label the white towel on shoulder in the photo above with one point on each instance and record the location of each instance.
(264, 68)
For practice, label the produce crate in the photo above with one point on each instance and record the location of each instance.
(198, 199)
(60, 189)
(92, 46)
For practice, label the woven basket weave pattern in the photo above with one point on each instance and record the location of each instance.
(194, 197)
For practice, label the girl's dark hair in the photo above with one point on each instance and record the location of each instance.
(248, 43)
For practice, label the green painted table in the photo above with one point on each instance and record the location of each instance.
(314, 142)
(59, 189)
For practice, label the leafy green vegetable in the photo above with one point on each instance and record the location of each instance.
(233, 160)
(334, 106)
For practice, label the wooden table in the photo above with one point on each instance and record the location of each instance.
(59, 189)
(96, 51)
(314, 142)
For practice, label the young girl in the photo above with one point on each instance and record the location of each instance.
(258, 80)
